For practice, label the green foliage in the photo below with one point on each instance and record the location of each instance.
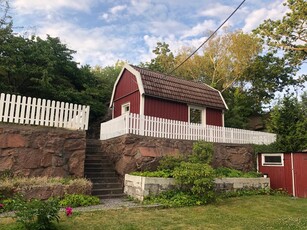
(176, 198)
(164, 60)
(228, 172)
(202, 152)
(76, 200)
(159, 173)
(170, 162)
(288, 34)
(252, 192)
(37, 214)
(196, 178)
(271, 148)
(289, 122)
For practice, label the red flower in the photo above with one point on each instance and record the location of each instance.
(1, 205)
(68, 211)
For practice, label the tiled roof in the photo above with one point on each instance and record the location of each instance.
(176, 89)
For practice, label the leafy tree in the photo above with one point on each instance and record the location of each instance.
(289, 33)
(164, 60)
(289, 122)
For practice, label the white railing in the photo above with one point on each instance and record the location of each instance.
(163, 128)
(37, 111)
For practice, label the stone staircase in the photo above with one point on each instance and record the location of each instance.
(100, 170)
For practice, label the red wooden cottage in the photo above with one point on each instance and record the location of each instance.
(146, 92)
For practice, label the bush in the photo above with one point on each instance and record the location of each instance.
(197, 179)
(170, 162)
(37, 214)
(175, 198)
(77, 200)
(160, 173)
(202, 152)
(228, 172)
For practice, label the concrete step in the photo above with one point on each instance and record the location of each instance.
(97, 157)
(100, 174)
(107, 185)
(96, 164)
(99, 170)
(107, 191)
(109, 196)
(103, 179)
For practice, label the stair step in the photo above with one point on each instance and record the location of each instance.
(99, 170)
(100, 174)
(111, 196)
(105, 158)
(107, 191)
(103, 179)
(98, 165)
(107, 185)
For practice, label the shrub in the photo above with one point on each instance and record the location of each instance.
(76, 200)
(196, 178)
(202, 152)
(160, 173)
(170, 162)
(228, 172)
(37, 214)
(175, 198)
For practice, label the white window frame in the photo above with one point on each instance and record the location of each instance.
(263, 163)
(202, 116)
(123, 108)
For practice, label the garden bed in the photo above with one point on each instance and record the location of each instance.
(140, 187)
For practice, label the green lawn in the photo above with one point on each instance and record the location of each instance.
(253, 212)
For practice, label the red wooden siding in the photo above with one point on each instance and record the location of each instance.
(214, 117)
(134, 100)
(300, 174)
(156, 107)
(126, 91)
(280, 176)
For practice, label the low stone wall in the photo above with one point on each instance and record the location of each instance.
(131, 153)
(42, 151)
(140, 187)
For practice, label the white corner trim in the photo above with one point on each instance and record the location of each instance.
(142, 104)
(137, 76)
(223, 99)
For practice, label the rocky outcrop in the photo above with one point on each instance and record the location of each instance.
(132, 153)
(42, 151)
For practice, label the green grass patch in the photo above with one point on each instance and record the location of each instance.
(247, 212)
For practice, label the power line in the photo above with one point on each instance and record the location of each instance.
(208, 37)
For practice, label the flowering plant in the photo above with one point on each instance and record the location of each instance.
(68, 211)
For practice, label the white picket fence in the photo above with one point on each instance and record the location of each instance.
(163, 128)
(37, 111)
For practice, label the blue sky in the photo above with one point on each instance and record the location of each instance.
(104, 31)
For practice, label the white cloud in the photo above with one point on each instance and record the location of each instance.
(273, 11)
(119, 8)
(113, 13)
(28, 7)
(99, 48)
(200, 29)
(217, 10)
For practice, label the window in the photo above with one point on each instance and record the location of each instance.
(195, 115)
(273, 159)
(126, 108)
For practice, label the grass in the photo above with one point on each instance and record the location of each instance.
(249, 212)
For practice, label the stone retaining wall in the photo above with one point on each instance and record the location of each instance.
(140, 187)
(41, 151)
(131, 153)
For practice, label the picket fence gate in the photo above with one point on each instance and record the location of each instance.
(37, 111)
